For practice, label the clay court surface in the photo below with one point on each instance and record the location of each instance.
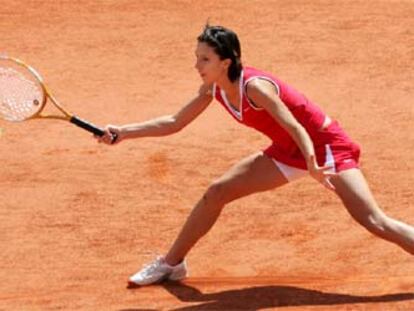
(77, 217)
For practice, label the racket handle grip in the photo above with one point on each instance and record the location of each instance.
(87, 126)
(91, 127)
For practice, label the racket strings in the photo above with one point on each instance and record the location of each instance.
(20, 97)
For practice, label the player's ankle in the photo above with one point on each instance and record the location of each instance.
(172, 262)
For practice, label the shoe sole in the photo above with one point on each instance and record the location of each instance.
(135, 285)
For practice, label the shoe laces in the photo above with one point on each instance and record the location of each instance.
(151, 267)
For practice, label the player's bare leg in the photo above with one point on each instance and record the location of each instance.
(354, 192)
(253, 174)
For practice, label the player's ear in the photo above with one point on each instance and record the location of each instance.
(226, 63)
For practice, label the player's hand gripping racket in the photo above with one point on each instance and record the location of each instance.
(23, 96)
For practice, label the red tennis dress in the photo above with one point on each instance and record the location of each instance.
(332, 145)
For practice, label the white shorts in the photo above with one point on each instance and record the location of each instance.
(292, 173)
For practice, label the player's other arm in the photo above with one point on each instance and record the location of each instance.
(164, 125)
(264, 94)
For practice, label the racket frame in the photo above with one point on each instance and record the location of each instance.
(67, 116)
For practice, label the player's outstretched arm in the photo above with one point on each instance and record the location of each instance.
(164, 125)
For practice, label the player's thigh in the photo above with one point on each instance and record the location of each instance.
(255, 173)
(354, 192)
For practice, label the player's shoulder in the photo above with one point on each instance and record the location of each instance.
(259, 81)
(258, 85)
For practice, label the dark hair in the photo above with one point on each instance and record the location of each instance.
(226, 45)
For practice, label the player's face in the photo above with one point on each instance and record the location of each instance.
(209, 65)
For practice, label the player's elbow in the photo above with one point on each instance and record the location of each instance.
(296, 130)
(175, 124)
(293, 127)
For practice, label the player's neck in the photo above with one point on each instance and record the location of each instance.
(230, 88)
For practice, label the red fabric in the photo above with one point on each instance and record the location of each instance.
(309, 115)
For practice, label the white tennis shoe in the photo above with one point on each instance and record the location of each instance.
(158, 271)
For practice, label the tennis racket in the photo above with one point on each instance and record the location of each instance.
(24, 95)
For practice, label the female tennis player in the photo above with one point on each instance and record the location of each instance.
(305, 141)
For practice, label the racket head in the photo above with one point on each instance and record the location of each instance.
(22, 93)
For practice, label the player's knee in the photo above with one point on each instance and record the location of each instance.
(216, 195)
(377, 224)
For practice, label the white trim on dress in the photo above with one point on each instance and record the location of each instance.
(237, 113)
(264, 78)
